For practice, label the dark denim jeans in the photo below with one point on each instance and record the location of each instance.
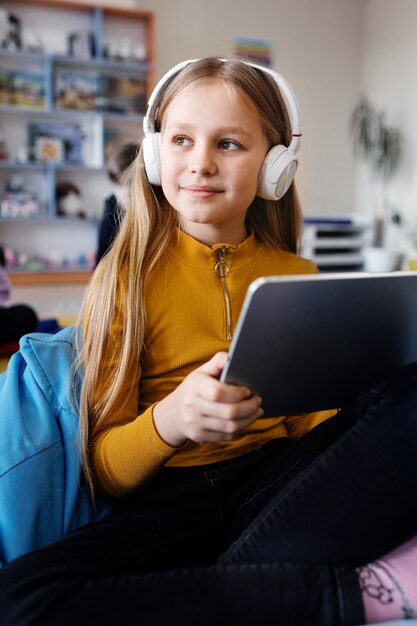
(272, 537)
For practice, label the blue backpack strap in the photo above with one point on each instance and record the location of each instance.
(42, 493)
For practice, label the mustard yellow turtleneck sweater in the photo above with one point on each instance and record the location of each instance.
(188, 323)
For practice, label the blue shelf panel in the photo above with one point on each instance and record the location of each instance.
(10, 108)
(40, 219)
(15, 165)
(43, 167)
(71, 113)
(96, 63)
(24, 55)
(101, 63)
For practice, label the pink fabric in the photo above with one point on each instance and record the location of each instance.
(389, 585)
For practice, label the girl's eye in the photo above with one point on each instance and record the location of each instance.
(180, 140)
(229, 144)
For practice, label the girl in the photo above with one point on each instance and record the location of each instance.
(217, 512)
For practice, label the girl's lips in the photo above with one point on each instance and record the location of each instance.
(201, 192)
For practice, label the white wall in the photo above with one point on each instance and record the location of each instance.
(389, 81)
(316, 47)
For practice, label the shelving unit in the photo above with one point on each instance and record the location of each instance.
(106, 48)
(336, 243)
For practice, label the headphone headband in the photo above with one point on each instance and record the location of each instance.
(283, 85)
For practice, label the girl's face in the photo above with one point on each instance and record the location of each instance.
(212, 150)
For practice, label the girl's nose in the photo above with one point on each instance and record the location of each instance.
(202, 161)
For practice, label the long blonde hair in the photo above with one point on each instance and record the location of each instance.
(147, 228)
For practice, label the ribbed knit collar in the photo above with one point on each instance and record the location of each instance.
(196, 254)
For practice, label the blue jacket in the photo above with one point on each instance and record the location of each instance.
(42, 495)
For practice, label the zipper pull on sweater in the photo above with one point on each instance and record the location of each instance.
(222, 269)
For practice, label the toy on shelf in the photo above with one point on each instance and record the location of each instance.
(17, 201)
(10, 31)
(49, 261)
(68, 200)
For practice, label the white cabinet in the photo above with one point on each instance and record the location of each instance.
(336, 243)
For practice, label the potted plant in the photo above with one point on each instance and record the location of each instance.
(381, 147)
(374, 141)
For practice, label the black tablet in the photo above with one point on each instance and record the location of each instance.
(314, 342)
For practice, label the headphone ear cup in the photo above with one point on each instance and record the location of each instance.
(277, 173)
(151, 147)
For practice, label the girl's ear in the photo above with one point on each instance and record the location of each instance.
(152, 157)
(277, 173)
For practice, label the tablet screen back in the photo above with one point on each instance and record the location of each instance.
(309, 343)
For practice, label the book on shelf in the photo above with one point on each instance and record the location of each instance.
(80, 91)
(124, 95)
(55, 143)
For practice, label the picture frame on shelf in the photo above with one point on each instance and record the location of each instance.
(126, 95)
(77, 91)
(55, 143)
(28, 90)
(22, 89)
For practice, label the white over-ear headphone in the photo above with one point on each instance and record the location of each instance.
(280, 164)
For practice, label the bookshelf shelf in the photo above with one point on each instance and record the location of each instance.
(127, 67)
(85, 87)
(50, 278)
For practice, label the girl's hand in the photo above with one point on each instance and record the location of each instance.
(204, 409)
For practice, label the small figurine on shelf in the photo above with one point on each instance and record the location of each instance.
(82, 44)
(17, 201)
(68, 200)
(10, 31)
(124, 50)
(32, 41)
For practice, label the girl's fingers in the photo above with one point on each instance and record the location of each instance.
(217, 429)
(232, 412)
(215, 366)
(213, 422)
(211, 389)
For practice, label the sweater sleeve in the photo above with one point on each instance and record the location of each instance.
(299, 425)
(127, 456)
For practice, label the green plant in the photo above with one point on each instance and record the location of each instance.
(374, 141)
